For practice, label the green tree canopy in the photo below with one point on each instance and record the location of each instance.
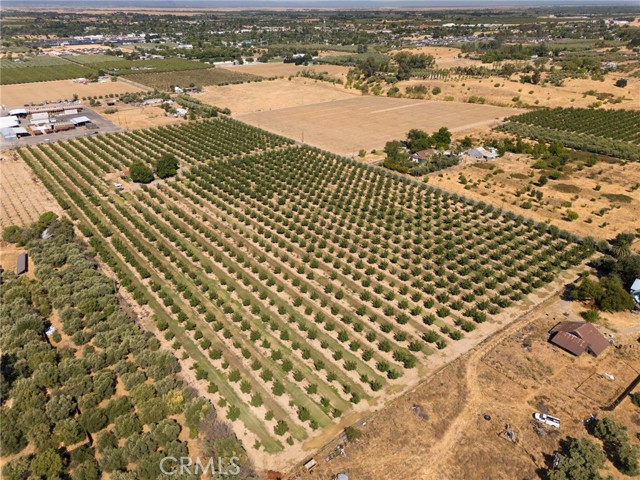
(166, 166)
(580, 460)
(140, 173)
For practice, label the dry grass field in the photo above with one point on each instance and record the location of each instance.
(601, 215)
(498, 91)
(346, 126)
(286, 69)
(26, 93)
(274, 95)
(22, 197)
(509, 377)
(132, 117)
(445, 57)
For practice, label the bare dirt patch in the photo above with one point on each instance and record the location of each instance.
(131, 117)
(26, 93)
(273, 95)
(9, 258)
(472, 401)
(22, 197)
(599, 214)
(346, 126)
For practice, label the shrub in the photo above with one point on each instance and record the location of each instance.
(352, 433)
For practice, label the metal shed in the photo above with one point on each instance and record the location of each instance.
(23, 263)
(80, 120)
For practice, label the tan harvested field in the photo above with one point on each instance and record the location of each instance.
(346, 126)
(22, 197)
(286, 69)
(273, 95)
(26, 93)
(133, 117)
(600, 216)
(425, 434)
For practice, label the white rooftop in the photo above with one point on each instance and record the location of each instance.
(10, 121)
(82, 119)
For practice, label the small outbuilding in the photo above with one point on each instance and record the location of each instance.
(79, 121)
(635, 291)
(20, 132)
(482, 153)
(9, 122)
(578, 337)
(18, 112)
(23, 264)
(8, 133)
(40, 116)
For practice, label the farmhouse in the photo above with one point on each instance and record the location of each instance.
(422, 155)
(483, 153)
(578, 337)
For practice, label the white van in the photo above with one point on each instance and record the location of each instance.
(118, 186)
(547, 419)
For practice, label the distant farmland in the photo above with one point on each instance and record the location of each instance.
(39, 69)
(299, 282)
(185, 78)
(42, 69)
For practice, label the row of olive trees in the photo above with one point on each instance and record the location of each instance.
(63, 401)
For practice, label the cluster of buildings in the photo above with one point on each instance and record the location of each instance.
(480, 153)
(41, 120)
(88, 40)
(447, 40)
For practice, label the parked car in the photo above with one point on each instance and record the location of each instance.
(547, 419)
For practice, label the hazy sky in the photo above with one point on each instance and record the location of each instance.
(327, 3)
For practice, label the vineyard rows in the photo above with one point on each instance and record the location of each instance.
(299, 282)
